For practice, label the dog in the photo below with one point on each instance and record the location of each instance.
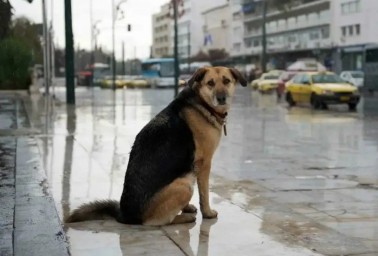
(170, 154)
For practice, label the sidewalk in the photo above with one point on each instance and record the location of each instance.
(284, 182)
(28, 218)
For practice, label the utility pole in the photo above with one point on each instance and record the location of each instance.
(123, 58)
(92, 51)
(70, 72)
(264, 53)
(113, 46)
(46, 66)
(189, 46)
(177, 70)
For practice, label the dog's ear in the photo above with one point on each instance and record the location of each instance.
(238, 76)
(197, 76)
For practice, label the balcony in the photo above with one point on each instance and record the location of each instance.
(296, 11)
(289, 47)
(289, 27)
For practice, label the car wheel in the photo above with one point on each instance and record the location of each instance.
(352, 106)
(315, 102)
(290, 100)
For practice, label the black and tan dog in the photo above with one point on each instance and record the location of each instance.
(171, 153)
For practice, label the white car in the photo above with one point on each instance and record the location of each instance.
(354, 77)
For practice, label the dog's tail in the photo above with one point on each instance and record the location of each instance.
(97, 210)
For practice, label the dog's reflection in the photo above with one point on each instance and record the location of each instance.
(181, 235)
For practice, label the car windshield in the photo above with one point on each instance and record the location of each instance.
(326, 79)
(357, 74)
(270, 77)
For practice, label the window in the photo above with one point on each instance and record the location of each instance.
(358, 29)
(314, 35)
(325, 32)
(256, 43)
(236, 16)
(372, 55)
(343, 31)
(350, 29)
(351, 7)
(305, 79)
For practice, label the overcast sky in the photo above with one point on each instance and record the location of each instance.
(138, 13)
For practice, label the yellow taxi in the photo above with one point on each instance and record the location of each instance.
(321, 89)
(266, 83)
(120, 81)
(137, 82)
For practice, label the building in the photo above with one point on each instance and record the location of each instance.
(190, 26)
(237, 50)
(216, 28)
(162, 45)
(299, 32)
(353, 28)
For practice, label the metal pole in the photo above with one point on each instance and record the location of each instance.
(123, 58)
(70, 71)
(52, 49)
(189, 46)
(264, 53)
(113, 47)
(176, 47)
(45, 49)
(92, 51)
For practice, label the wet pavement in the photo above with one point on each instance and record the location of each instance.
(284, 181)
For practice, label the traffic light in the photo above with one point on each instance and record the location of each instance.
(128, 27)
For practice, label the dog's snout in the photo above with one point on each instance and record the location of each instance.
(221, 98)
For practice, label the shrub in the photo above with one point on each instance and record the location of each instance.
(15, 60)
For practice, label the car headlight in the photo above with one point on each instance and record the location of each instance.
(356, 92)
(328, 92)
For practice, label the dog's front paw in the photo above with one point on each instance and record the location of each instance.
(189, 209)
(210, 214)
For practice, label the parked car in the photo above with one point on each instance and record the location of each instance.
(120, 81)
(137, 82)
(354, 77)
(266, 83)
(320, 89)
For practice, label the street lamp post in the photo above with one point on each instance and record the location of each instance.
(46, 66)
(264, 47)
(113, 47)
(70, 79)
(176, 46)
(189, 46)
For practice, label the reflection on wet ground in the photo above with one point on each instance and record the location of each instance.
(285, 181)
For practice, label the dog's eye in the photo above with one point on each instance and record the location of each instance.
(226, 81)
(211, 83)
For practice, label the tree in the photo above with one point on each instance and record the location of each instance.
(5, 18)
(218, 54)
(24, 30)
(200, 56)
(17, 56)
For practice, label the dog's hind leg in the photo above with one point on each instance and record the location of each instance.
(167, 204)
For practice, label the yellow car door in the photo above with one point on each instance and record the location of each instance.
(306, 89)
(294, 87)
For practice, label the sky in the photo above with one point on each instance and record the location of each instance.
(138, 13)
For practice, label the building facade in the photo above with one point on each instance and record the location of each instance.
(162, 29)
(191, 38)
(353, 27)
(299, 32)
(217, 28)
